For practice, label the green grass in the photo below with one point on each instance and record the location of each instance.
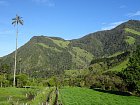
(82, 53)
(84, 96)
(76, 73)
(61, 43)
(130, 40)
(120, 67)
(41, 96)
(19, 95)
(16, 94)
(80, 56)
(132, 31)
(43, 45)
(46, 46)
(115, 54)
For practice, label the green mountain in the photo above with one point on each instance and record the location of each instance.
(112, 63)
(44, 53)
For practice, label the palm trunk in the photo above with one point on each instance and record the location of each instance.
(1, 84)
(15, 59)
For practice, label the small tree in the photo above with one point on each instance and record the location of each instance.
(1, 80)
(21, 80)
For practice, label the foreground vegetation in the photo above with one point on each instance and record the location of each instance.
(30, 96)
(11, 95)
(84, 96)
(67, 96)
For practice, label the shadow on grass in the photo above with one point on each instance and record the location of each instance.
(114, 92)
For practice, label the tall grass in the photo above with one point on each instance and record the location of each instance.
(17, 96)
(41, 96)
(12, 95)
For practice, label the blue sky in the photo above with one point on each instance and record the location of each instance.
(68, 19)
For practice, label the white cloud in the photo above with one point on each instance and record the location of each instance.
(49, 3)
(117, 23)
(137, 13)
(111, 25)
(3, 3)
(107, 27)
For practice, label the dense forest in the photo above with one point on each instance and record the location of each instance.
(44, 53)
(107, 60)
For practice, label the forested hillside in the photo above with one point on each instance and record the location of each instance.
(43, 54)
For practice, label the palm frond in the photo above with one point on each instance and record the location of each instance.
(21, 22)
(14, 19)
(14, 22)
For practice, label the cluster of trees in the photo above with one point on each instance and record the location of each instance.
(21, 79)
(105, 81)
(6, 77)
(115, 59)
(128, 80)
(131, 75)
(4, 74)
(108, 63)
(125, 80)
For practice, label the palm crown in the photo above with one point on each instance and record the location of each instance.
(17, 20)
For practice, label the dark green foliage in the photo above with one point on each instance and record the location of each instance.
(21, 80)
(4, 68)
(131, 74)
(118, 58)
(104, 81)
(103, 64)
(5, 72)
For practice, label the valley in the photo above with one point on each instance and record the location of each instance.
(101, 68)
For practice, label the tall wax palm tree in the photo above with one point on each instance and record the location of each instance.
(16, 21)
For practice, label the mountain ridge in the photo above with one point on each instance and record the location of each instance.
(57, 54)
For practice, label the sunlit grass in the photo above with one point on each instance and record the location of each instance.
(120, 67)
(130, 40)
(132, 31)
(84, 96)
(10, 94)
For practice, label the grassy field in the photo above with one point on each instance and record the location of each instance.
(12, 95)
(83, 96)
(41, 96)
(61, 43)
(115, 54)
(17, 96)
(76, 73)
(130, 40)
(120, 67)
(132, 31)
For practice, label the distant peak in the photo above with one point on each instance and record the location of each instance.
(133, 21)
(48, 37)
(56, 38)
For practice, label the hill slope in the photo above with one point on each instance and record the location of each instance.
(44, 53)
